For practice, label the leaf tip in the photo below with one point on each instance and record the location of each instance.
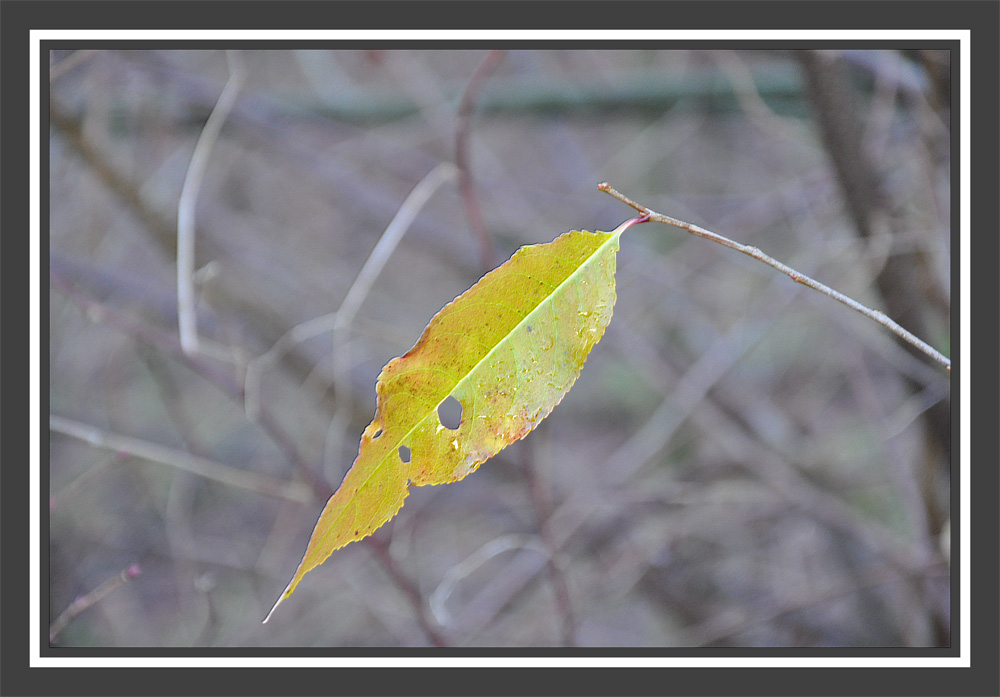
(287, 592)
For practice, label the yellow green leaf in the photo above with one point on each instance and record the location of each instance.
(508, 349)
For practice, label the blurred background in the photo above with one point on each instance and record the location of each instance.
(743, 461)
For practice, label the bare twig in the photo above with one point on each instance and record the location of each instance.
(336, 321)
(187, 318)
(465, 182)
(168, 343)
(178, 459)
(256, 366)
(754, 252)
(349, 306)
(689, 392)
(85, 602)
(498, 545)
(57, 70)
(399, 224)
(729, 628)
(542, 506)
(408, 587)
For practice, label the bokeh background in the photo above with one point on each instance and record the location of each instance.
(743, 461)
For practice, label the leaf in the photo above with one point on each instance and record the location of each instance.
(508, 350)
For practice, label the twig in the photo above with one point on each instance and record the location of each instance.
(689, 392)
(465, 183)
(116, 182)
(726, 627)
(399, 224)
(542, 507)
(168, 343)
(336, 321)
(256, 366)
(57, 70)
(754, 252)
(231, 476)
(85, 602)
(363, 282)
(498, 545)
(187, 318)
(408, 587)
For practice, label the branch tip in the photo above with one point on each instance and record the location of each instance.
(875, 315)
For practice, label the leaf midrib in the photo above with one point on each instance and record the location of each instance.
(394, 450)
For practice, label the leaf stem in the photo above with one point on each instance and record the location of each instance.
(796, 276)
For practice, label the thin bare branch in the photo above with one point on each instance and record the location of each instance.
(359, 290)
(256, 366)
(399, 224)
(408, 587)
(85, 602)
(168, 343)
(178, 459)
(542, 505)
(754, 252)
(442, 592)
(57, 70)
(336, 321)
(187, 318)
(466, 184)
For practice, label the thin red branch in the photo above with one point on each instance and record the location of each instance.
(409, 589)
(466, 185)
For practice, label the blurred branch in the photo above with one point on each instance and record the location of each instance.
(336, 321)
(909, 290)
(126, 191)
(498, 545)
(466, 184)
(690, 390)
(407, 586)
(750, 99)
(85, 602)
(187, 318)
(717, 629)
(777, 468)
(542, 508)
(390, 238)
(737, 439)
(349, 306)
(57, 70)
(230, 476)
(168, 343)
(162, 232)
(754, 252)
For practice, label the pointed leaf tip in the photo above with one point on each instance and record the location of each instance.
(275, 606)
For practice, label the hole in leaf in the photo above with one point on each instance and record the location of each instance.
(377, 434)
(450, 413)
(404, 453)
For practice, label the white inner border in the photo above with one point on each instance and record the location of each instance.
(547, 36)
